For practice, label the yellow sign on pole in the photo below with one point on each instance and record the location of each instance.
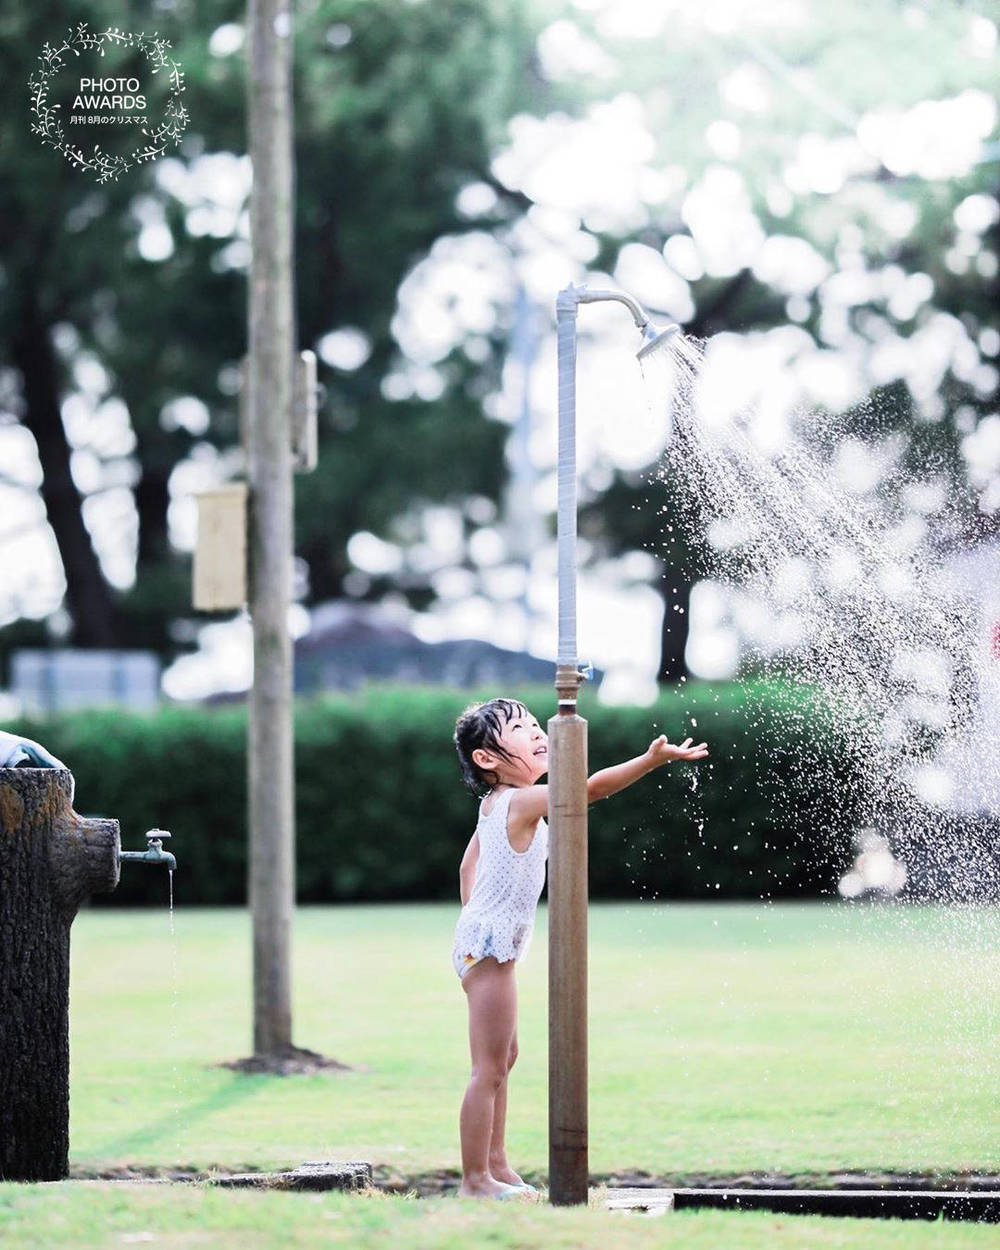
(220, 554)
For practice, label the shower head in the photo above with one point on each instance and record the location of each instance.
(654, 337)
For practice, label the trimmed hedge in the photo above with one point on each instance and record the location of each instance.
(382, 813)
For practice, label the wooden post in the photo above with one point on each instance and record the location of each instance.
(51, 859)
(269, 409)
(568, 1127)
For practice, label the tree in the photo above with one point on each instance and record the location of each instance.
(77, 285)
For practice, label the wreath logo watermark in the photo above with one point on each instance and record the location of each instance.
(108, 101)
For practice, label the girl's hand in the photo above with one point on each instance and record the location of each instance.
(662, 752)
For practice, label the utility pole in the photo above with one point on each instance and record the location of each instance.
(269, 400)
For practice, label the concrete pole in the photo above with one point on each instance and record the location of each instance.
(568, 1112)
(269, 408)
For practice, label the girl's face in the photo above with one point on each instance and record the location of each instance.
(527, 748)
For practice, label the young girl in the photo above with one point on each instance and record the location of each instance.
(503, 752)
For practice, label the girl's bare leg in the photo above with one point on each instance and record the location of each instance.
(492, 996)
(500, 1169)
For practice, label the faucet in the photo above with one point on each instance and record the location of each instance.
(154, 852)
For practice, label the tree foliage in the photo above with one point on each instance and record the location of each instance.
(391, 121)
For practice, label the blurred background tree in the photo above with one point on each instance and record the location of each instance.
(125, 302)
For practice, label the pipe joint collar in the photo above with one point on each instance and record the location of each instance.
(568, 300)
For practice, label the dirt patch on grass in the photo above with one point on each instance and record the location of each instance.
(289, 1061)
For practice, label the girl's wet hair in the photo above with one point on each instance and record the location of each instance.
(480, 727)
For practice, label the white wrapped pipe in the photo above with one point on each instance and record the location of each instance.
(567, 303)
(566, 310)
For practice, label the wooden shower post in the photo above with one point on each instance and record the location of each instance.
(568, 1140)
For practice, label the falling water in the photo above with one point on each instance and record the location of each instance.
(842, 590)
(175, 1032)
(844, 576)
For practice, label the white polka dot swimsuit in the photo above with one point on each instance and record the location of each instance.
(499, 917)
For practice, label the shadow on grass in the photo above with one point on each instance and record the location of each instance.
(233, 1091)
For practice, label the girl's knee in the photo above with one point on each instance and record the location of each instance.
(490, 1074)
(512, 1055)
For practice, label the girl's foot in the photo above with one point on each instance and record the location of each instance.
(487, 1187)
(507, 1175)
(501, 1170)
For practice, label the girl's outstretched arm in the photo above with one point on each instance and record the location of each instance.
(467, 869)
(609, 781)
(532, 802)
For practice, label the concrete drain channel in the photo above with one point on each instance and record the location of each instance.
(896, 1204)
(977, 1203)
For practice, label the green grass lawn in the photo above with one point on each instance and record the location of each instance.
(795, 1038)
(90, 1216)
(805, 1039)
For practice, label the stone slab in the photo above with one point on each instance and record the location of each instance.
(317, 1174)
(640, 1200)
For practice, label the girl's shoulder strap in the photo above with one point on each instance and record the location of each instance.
(500, 805)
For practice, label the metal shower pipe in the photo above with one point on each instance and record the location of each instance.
(567, 302)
